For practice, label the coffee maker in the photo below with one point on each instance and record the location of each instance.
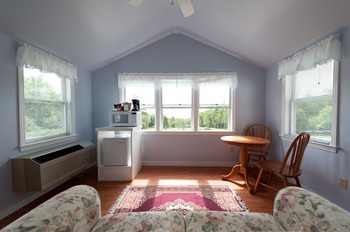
(135, 105)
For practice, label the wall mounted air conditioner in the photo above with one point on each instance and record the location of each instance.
(41, 170)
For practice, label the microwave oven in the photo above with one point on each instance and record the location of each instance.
(125, 118)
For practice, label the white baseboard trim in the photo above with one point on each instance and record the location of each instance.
(187, 164)
(26, 201)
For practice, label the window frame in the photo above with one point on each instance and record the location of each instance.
(162, 106)
(231, 108)
(195, 112)
(68, 90)
(288, 133)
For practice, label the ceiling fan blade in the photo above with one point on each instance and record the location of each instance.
(135, 2)
(186, 7)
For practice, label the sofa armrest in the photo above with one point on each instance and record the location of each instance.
(75, 209)
(298, 209)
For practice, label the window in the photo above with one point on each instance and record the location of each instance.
(311, 100)
(214, 109)
(310, 89)
(182, 102)
(46, 107)
(146, 95)
(176, 107)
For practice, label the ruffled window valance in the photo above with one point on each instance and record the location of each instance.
(317, 54)
(176, 79)
(30, 57)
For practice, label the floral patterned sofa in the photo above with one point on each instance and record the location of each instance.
(78, 209)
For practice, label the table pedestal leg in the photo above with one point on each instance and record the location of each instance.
(240, 168)
(235, 170)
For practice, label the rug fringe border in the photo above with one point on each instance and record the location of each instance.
(119, 199)
(239, 199)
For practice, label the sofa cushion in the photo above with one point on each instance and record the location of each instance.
(298, 209)
(230, 221)
(142, 221)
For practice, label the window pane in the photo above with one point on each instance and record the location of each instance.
(177, 119)
(214, 96)
(177, 96)
(213, 119)
(148, 119)
(315, 82)
(43, 119)
(38, 85)
(144, 94)
(315, 117)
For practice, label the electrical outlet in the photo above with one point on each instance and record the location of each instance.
(343, 183)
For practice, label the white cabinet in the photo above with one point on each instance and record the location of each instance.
(118, 153)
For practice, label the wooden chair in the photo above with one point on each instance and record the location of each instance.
(289, 167)
(262, 131)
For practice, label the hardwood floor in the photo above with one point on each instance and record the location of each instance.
(109, 191)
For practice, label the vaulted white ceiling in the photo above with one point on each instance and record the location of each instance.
(93, 33)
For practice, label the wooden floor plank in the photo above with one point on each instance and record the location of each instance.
(109, 191)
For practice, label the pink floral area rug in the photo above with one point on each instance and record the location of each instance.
(178, 198)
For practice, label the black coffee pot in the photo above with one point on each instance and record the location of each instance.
(135, 105)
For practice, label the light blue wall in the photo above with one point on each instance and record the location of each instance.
(258, 100)
(321, 169)
(178, 53)
(9, 136)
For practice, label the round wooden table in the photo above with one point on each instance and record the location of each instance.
(243, 142)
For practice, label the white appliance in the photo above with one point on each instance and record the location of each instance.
(117, 151)
(125, 118)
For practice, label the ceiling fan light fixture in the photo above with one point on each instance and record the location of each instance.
(186, 7)
(135, 2)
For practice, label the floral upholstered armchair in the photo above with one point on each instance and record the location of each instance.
(298, 209)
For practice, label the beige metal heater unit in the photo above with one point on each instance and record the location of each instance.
(41, 170)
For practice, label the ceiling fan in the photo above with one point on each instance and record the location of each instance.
(185, 6)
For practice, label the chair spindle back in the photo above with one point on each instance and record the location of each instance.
(295, 154)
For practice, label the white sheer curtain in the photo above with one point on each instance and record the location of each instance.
(176, 79)
(30, 57)
(316, 54)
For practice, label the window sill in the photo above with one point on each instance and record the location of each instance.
(40, 144)
(313, 144)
